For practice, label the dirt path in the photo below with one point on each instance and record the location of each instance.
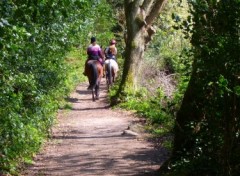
(89, 141)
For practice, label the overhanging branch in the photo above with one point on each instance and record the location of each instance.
(147, 5)
(157, 7)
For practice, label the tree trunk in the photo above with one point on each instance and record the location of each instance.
(207, 124)
(139, 17)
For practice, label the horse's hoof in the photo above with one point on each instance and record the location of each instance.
(89, 88)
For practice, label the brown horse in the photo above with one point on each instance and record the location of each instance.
(94, 72)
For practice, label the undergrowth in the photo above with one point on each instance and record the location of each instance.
(75, 62)
(25, 128)
(157, 110)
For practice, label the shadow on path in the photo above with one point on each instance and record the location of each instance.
(88, 140)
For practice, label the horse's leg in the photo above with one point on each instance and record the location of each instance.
(100, 75)
(97, 91)
(107, 82)
(109, 75)
(113, 76)
(93, 96)
(106, 73)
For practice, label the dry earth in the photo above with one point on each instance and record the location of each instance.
(89, 140)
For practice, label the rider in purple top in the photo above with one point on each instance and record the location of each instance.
(94, 53)
(94, 50)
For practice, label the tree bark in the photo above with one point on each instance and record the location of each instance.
(139, 17)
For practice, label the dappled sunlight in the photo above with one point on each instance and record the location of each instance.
(89, 140)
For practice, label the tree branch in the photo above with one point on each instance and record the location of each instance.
(147, 6)
(157, 7)
(150, 31)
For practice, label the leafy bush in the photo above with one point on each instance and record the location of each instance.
(155, 109)
(207, 124)
(35, 75)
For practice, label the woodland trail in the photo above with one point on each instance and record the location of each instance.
(88, 140)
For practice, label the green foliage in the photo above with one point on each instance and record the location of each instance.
(35, 73)
(170, 49)
(209, 117)
(154, 109)
(168, 43)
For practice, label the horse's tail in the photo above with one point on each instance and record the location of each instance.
(109, 71)
(94, 80)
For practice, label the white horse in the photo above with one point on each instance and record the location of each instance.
(111, 69)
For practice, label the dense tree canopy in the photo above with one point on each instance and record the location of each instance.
(207, 125)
